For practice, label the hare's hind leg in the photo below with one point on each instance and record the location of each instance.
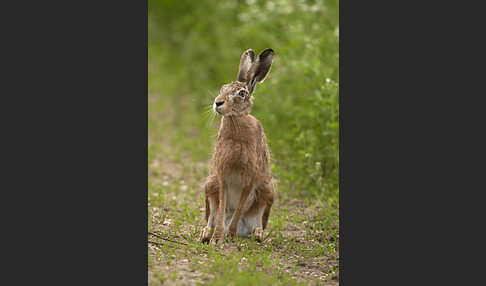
(268, 196)
(211, 193)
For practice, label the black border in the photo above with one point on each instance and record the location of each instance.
(75, 150)
(408, 92)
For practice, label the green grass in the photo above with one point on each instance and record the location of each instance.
(302, 234)
(194, 48)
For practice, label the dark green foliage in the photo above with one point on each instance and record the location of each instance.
(195, 47)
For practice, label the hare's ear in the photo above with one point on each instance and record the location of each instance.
(259, 70)
(247, 59)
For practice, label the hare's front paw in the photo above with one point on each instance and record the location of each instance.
(258, 234)
(218, 236)
(206, 234)
(232, 232)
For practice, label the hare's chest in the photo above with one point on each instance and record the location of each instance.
(236, 155)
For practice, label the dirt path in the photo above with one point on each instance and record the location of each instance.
(297, 249)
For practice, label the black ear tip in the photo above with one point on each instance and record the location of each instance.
(248, 54)
(249, 51)
(269, 51)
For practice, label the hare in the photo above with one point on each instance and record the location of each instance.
(239, 191)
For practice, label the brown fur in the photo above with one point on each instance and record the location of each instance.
(241, 153)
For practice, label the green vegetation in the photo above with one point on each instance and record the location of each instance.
(194, 48)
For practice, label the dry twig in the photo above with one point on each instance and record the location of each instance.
(166, 239)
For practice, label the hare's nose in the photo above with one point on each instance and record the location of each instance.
(219, 103)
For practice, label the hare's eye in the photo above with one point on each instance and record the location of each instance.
(242, 93)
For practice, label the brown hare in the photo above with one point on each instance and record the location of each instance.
(239, 191)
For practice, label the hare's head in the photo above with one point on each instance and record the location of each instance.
(236, 98)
